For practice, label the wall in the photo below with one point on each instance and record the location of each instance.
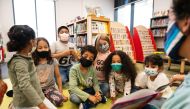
(160, 5)
(6, 20)
(67, 10)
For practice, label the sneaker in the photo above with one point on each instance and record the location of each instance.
(81, 106)
(86, 105)
(104, 99)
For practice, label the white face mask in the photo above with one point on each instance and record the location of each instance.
(64, 37)
(151, 71)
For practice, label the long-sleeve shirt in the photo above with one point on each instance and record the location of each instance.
(79, 81)
(26, 86)
(119, 83)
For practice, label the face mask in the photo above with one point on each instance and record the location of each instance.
(104, 47)
(151, 71)
(64, 37)
(116, 66)
(173, 41)
(43, 54)
(85, 62)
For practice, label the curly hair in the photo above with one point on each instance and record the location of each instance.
(128, 68)
(181, 8)
(36, 58)
(19, 37)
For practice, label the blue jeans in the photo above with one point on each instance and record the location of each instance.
(75, 99)
(104, 87)
(64, 71)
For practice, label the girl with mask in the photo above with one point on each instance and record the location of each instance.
(83, 85)
(47, 68)
(64, 51)
(102, 45)
(120, 72)
(153, 77)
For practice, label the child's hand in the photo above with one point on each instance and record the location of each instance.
(158, 96)
(98, 96)
(65, 98)
(93, 99)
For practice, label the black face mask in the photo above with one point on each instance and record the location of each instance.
(85, 62)
(43, 54)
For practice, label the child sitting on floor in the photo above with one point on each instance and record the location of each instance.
(83, 84)
(153, 77)
(120, 72)
(47, 68)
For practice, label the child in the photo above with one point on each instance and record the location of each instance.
(27, 92)
(83, 85)
(120, 72)
(154, 77)
(102, 45)
(63, 50)
(47, 67)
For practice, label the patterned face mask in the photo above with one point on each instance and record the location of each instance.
(173, 41)
(151, 71)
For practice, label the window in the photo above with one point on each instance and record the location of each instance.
(38, 14)
(124, 15)
(25, 13)
(143, 13)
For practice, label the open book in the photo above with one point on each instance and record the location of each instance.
(138, 99)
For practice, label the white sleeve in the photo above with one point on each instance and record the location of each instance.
(127, 88)
(141, 80)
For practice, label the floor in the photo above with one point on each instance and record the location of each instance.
(68, 105)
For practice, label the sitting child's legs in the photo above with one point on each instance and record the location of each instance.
(104, 87)
(54, 96)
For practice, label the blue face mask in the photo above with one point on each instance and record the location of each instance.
(116, 66)
(173, 41)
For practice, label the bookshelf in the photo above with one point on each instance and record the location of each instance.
(144, 42)
(85, 30)
(121, 40)
(158, 27)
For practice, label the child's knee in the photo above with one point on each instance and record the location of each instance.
(75, 99)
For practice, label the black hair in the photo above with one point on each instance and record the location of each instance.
(90, 49)
(128, 67)
(154, 59)
(36, 58)
(181, 9)
(19, 36)
(62, 27)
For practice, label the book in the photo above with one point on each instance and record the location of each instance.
(138, 99)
